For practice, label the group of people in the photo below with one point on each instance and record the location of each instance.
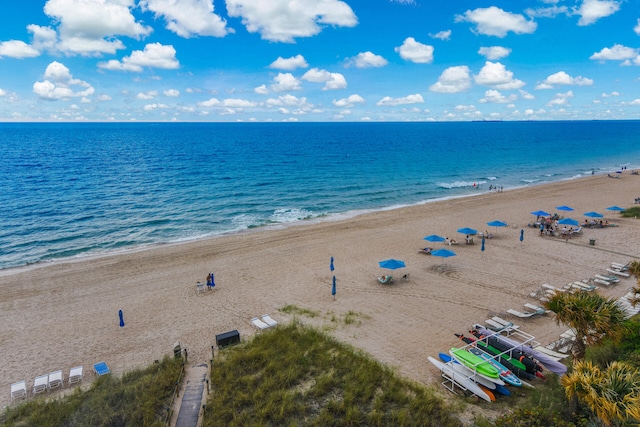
(594, 224)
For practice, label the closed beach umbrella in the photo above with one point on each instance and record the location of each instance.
(593, 214)
(564, 208)
(540, 213)
(467, 230)
(482, 247)
(333, 288)
(434, 238)
(121, 318)
(392, 264)
(568, 221)
(522, 234)
(331, 265)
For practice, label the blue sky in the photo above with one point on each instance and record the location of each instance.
(319, 60)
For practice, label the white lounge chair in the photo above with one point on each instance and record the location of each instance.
(40, 383)
(269, 320)
(611, 279)
(19, 390)
(75, 375)
(259, 324)
(493, 325)
(505, 323)
(618, 272)
(521, 314)
(536, 308)
(551, 353)
(55, 380)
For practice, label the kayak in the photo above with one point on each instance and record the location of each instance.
(508, 376)
(472, 361)
(481, 381)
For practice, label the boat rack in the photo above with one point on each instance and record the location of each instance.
(522, 337)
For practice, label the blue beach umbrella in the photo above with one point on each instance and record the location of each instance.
(593, 214)
(568, 221)
(497, 223)
(333, 288)
(331, 265)
(467, 230)
(522, 234)
(615, 208)
(564, 208)
(121, 318)
(434, 238)
(443, 253)
(540, 213)
(392, 264)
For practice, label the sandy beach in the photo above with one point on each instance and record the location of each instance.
(65, 314)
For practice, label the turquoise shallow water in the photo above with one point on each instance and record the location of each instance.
(70, 190)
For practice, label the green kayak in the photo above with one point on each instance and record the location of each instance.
(474, 362)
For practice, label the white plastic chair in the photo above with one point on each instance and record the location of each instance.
(269, 320)
(40, 383)
(259, 324)
(55, 380)
(75, 375)
(19, 390)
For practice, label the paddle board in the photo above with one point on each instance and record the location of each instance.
(508, 376)
(460, 379)
(481, 367)
(461, 369)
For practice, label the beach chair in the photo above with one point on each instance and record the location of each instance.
(55, 380)
(259, 324)
(19, 390)
(75, 375)
(521, 314)
(505, 323)
(385, 280)
(611, 279)
(536, 308)
(101, 369)
(493, 325)
(618, 272)
(554, 354)
(200, 287)
(269, 320)
(40, 383)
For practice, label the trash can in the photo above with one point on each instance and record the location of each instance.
(592, 242)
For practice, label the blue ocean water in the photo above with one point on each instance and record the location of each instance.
(70, 190)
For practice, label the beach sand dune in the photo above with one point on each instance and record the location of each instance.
(65, 314)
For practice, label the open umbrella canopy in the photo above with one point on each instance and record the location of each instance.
(434, 238)
(593, 215)
(467, 230)
(615, 208)
(568, 221)
(564, 208)
(392, 264)
(497, 223)
(540, 213)
(444, 253)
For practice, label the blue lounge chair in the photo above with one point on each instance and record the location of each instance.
(101, 368)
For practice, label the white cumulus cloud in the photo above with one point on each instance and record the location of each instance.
(349, 101)
(332, 81)
(617, 52)
(291, 63)
(367, 60)
(592, 10)
(286, 20)
(58, 83)
(414, 51)
(188, 18)
(495, 74)
(493, 21)
(17, 49)
(154, 55)
(285, 82)
(410, 99)
(494, 53)
(562, 78)
(453, 80)
(90, 27)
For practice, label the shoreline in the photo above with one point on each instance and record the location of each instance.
(331, 217)
(65, 314)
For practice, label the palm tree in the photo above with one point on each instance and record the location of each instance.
(634, 268)
(590, 315)
(613, 394)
